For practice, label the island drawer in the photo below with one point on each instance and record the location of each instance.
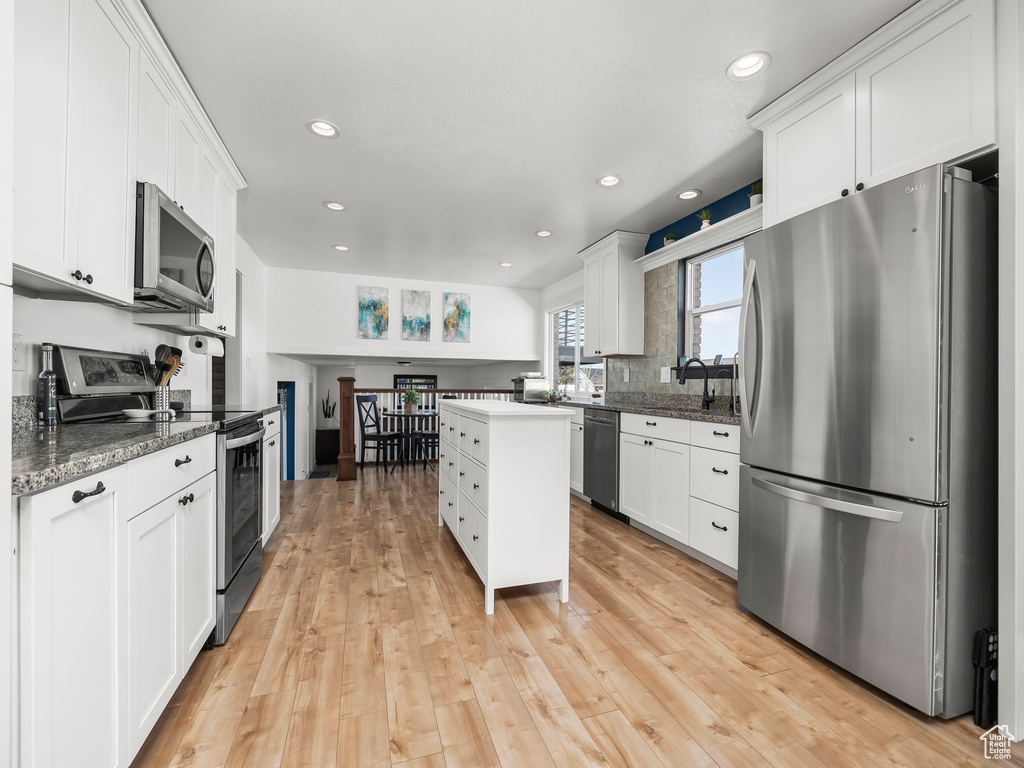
(153, 478)
(447, 500)
(719, 437)
(448, 459)
(473, 535)
(473, 482)
(676, 430)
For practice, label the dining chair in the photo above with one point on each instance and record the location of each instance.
(371, 434)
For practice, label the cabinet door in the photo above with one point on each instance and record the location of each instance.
(670, 489)
(197, 532)
(40, 135)
(155, 659)
(73, 604)
(271, 485)
(592, 307)
(609, 317)
(186, 162)
(576, 457)
(634, 476)
(809, 153)
(207, 217)
(929, 97)
(156, 127)
(99, 223)
(224, 248)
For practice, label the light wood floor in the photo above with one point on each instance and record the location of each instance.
(366, 644)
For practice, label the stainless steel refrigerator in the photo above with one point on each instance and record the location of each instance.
(868, 480)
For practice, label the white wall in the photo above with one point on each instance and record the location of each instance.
(260, 372)
(500, 375)
(97, 326)
(314, 313)
(566, 291)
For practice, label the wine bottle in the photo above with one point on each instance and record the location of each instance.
(47, 390)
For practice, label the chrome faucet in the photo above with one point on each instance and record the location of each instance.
(707, 399)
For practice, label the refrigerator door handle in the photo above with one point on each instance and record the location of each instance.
(838, 505)
(748, 297)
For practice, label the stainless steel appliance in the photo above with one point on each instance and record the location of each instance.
(868, 479)
(601, 457)
(174, 256)
(529, 390)
(239, 517)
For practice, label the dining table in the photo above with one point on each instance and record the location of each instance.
(407, 423)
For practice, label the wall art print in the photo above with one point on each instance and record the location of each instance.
(373, 312)
(415, 315)
(457, 317)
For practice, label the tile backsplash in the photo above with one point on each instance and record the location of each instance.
(23, 408)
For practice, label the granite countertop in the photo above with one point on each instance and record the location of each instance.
(719, 413)
(45, 458)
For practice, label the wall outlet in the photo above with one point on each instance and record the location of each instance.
(625, 375)
(18, 353)
(666, 375)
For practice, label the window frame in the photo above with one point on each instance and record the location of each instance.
(684, 314)
(552, 354)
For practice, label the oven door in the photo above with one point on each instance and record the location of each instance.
(239, 498)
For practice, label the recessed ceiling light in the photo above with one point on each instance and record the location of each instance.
(689, 194)
(611, 180)
(749, 65)
(323, 129)
(331, 205)
(504, 263)
(543, 233)
(341, 247)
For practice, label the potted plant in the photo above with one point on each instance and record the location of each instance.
(327, 408)
(553, 396)
(755, 193)
(705, 217)
(670, 238)
(411, 399)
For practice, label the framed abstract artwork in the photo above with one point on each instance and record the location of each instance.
(373, 312)
(457, 317)
(415, 315)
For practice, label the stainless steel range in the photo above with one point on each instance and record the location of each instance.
(94, 386)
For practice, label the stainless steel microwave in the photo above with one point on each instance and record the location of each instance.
(174, 256)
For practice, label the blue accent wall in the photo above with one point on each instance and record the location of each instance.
(723, 208)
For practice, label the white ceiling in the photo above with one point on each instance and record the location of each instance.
(466, 125)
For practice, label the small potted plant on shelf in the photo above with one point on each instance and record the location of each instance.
(755, 193)
(705, 217)
(411, 399)
(670, 238)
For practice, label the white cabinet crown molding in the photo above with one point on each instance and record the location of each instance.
(153, 43)
(912, 18)
(703, 240)
(614, 239)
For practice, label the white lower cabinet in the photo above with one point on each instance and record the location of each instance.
(117, 597)
(74, 576)
(685, 491)
(271, 478)
(576, 457)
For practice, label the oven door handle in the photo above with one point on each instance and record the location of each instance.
(238, 442)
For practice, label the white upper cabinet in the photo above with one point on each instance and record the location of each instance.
(613, 295)
(917, 92)
(156, 127)
(99, 104)
(808, 157)
(929, 97)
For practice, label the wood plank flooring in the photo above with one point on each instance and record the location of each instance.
(366, 644)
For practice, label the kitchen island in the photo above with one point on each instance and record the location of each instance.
(503, 491)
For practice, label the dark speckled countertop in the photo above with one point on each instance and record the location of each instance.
(45, 458)
(719, 413)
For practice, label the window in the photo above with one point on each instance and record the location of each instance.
(415, 381)
(572, 372)
(709, 316)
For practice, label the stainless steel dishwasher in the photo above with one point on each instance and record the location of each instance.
(601, 457)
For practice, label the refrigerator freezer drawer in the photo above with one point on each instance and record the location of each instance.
(856, 578)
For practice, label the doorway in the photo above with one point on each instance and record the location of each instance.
(286, 399)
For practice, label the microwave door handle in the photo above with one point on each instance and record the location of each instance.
(238, 442)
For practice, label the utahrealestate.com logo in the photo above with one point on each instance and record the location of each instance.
(997, 740)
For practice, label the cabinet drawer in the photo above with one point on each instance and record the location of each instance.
(473, 483)
(272, 423)
(577, 416)
(464, 436)
(448, 427)
(448, 458)
(473, 535)
(714, 531)
(478, 448)
(715, 477)
(447, 500)
(154, 477)
(677, 430)
(719, 437)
